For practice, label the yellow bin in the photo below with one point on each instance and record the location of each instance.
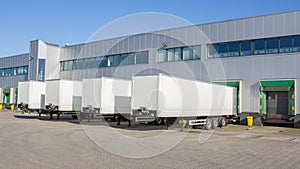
(250, 120)
(12, 107)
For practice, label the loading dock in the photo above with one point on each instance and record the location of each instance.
(237, 84)
(9, 97)
(277, 101)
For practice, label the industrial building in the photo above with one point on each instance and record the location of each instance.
(257, 55)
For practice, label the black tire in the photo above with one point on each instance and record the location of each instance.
(223, 121)
(158, 121)
(215, 123)
(208, 124)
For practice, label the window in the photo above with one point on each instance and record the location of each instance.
(67, 65)
(178, 54)
(116, 60)
(110, 60)
(70, 65)
(89, 63)
(130, 59)
(127, 59)
(79, 64)
(162, 55)
(1, 72)
(20, 70)
(196, 52)
(222, 49)
(259, 47)
(141, 58)
(272, 45)
(101, 61)
(14, 71)
(296, 44)
(25, 70)
(187, 53)
(286, 44)
(64, 66)
(212, 51)
(255, 47)
(8, 72)
(124, 60)
(171, 54)
(233, 49)
(245, 48)
(41, 70)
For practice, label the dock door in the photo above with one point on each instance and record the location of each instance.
(277, 99)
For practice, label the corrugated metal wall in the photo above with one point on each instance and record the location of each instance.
(249, 69)
(13, 61)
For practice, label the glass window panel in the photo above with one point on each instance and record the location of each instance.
(70, 65)
(101, 61)
(89, 63)
(141, 58)
(25, 70)
(7, 72)
(233, 49)
(196, 52)
(1, 72)
(212, 51)
(286, 44)
(20, 71)
(130, 58)
(14, 71)
(41, 70)
(162, 55)
(223, 49)
(116, 60)
(124, 60)
(296, 43)
(79, 64)
(245, 48)
(63, 66)
(272, 45)
(187, 53)
(170, 54)
(178, 54)
(110, 60)
(259, 47)
(98, 61)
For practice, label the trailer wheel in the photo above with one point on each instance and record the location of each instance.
(215, 123)
(159, 121)
(223, 121)
(208, 124)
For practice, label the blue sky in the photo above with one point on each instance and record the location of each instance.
(71, 21)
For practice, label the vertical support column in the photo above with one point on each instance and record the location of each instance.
(292, 111)
(263, 103)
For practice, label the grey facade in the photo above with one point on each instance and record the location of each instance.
(10, 62)
(249, 71)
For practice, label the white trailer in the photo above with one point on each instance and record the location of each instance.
(161, 98)
(106, 97)
(63, 96)
(31, 96)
